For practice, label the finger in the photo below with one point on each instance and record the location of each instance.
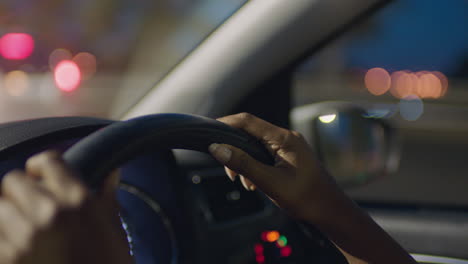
(57, 178)
(248, 185)
(264, 176)
(31, 199)
(108, 198)
(230, 173)
(261, 129)
(111, 184)
(13, 226)
(7, 251)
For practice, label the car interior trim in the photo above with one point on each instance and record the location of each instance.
(266, 35)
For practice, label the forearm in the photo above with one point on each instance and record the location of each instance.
(355, 232)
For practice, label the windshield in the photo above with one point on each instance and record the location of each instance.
(94, 58)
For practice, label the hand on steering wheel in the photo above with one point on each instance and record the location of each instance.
(296, 182)
(48, 216)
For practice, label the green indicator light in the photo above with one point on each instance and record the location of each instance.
(282, 241)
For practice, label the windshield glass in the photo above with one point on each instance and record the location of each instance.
(94, 58)
(408, 63)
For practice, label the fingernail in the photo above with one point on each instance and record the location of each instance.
(231, 175)
(221, 153)
(252, 188)
(244, 183)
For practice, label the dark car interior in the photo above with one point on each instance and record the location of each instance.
(178, 206)
(174, 209)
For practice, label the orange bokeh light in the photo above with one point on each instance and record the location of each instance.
(87, 63)
(377, 81)
(443, 82)
(429, 86)
(57, 56)
(272, 236)
(403, 84)
(16, 83)
(423, 84)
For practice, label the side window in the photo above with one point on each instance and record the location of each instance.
(410, 62)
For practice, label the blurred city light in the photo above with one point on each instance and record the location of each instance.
(16, 83)
(402, 84)
(377, 81)
(57, 56)
(16, 46)
(87, 64)
(423, 84)
(67, 76)
(443, 82)
(327, 118)
(411, 108)
(429, 86)
(383, 112)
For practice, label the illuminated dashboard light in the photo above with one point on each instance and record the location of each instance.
(327, 118)
(260, 259)
(272, 236)
(282, 241)
(285, 251)
(258, 248)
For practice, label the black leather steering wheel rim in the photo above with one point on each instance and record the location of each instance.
(95, 156)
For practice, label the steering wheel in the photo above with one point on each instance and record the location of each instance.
(95, 156)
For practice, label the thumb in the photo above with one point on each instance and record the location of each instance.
(242, 163)
(108, 194)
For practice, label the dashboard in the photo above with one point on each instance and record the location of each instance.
(225, 223)
(183, 209)
(202, 217)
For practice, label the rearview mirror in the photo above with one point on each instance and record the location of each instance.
(354, 147)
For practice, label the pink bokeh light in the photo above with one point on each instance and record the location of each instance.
(16, 46)
(67, 76)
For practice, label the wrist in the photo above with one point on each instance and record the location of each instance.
(326, 203)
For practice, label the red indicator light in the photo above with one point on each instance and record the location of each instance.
(260, 259)
(16, 46)
(258, 248)
(67, 76)
(286, 251)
